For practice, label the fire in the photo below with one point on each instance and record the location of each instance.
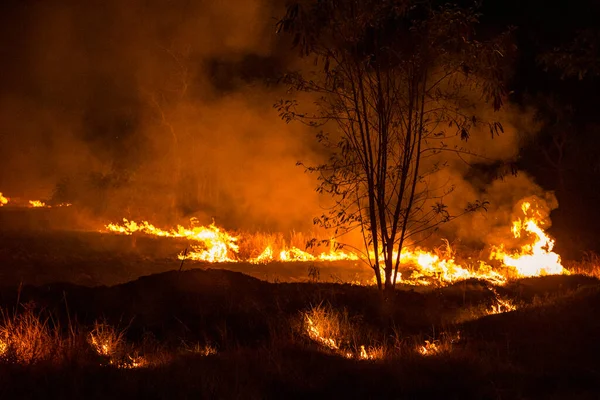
(3, 200)
(331, 329)
(418, 266)
(18, 202)
(532, 259)
(432, 267)
(502, 305)
(443, 344)
(209, 242)
(36, 203)
(314, 331)
(264, 257)
(429, 348)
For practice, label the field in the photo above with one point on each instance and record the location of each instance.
(93, 315)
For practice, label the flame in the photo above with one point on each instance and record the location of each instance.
(429, 348)
(502, 305)
(532, 259)
(36, 203)
(265, 257)
(314, 332)
(326, 327)
(419, 266)
(432, 267)
(210, 243)
(16, 202)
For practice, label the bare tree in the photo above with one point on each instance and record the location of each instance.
(395, 82)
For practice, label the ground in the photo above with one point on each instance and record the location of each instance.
(208, 332)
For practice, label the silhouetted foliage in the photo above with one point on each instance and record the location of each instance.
(395, 84)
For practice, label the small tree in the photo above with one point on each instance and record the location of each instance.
(395, 83)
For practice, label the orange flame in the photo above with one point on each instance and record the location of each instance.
(419, 266)
(535, 258)
(36, 203)
(3, 200)
(210, 243)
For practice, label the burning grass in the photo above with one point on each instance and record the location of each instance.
(27, 338)
(333, 330)
(533, 256)
(273, 341)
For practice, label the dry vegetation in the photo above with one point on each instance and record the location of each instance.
(217, 333)
(222, 334)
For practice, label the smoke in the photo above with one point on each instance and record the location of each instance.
(151, 109)
(163, 111)
(480, 174)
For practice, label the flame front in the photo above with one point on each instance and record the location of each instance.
(535, 258)
(209, 242)
(419, 267)
(3, 200)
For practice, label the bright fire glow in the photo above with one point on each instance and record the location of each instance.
(532, 259)
(18, 202)
(3, 347)
(210, 243)
(36, 203)
(328, 328)
(417, 266)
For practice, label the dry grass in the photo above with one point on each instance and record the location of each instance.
(107, 341)
(334, 330)
(27, 338)
(588, 266)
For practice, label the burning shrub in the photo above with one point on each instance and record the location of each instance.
(26, 338)
(333, 330)
(444, 344)
(107, 341)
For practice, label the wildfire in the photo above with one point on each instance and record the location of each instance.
(431, 267)
(532, 259)
(19, 202)
(331, 329)
(210, 243)
(418, 266)
(3, 200)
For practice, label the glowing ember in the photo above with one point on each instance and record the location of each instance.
(329, 327)
(314, 331)
(36, 203)
(438, 346)
(430, 348)
(535, 258)
(501, 305)
(3, 200)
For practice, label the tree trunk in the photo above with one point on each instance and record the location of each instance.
(389, 284)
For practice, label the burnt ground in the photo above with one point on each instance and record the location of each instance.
(548, 348)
